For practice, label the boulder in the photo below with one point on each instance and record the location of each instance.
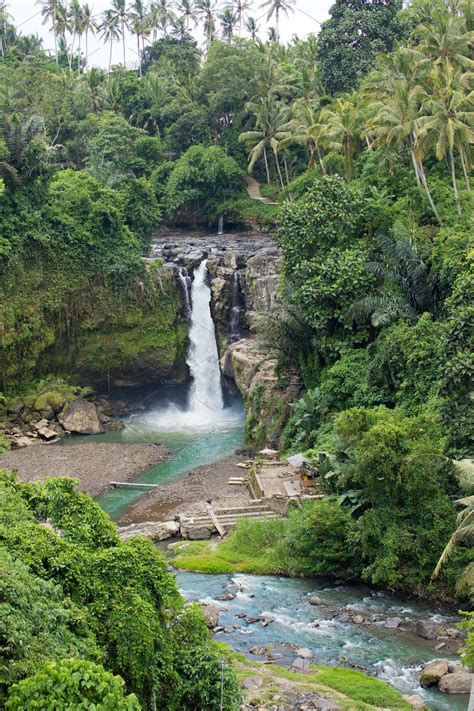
(358, 619)
(300, 665)
(47, 434)
(268, 453)
(416, 702)
(211, 614)
(428, 629)
(80, 416)
(155, 531)
(304, 652)
(315, 600)
(432, 672)
(459, 682)
(23, 442)
(455, 667)
(393, 622)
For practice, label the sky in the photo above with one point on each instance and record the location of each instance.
(27, 18)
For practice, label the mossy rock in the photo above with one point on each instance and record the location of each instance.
(51, 401)
(15, 405)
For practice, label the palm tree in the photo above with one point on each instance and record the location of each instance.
(339, 129)
(227, 21)
(76, 19)
(138, 14)
(447, 121)
(414, 289)
(464, 532)
(188, 11)
(179, 28)
(251, 27)
(5, 18)
(94, 81)
(90, 25)
(445, 40)
(275, 7)
(239, 8)
(119, 10)
(269, 118)
(19, 136)
(304, 129)
(50, 12)
(110, 31)
(159, 17)
(135, 25)
(207, 11)
(393, 124)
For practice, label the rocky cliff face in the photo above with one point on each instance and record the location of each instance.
(244, 272)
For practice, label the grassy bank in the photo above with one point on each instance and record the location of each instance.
(351, 689)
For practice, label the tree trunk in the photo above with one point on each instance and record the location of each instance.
(266, 165)
(139, 62)
(277, 163)
(286, 170)
(123, 44)
(87, 50)
(110, 58)
(320, 158)
(464, 168)
(454, 181)
(424, 182)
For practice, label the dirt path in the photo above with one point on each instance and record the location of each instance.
(95, 464)
(253, 189)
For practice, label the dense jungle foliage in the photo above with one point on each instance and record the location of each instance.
(367, 150)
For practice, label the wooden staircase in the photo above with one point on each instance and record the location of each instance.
(202, 526)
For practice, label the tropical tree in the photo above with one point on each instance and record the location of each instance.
(138, 18)
(464, 532)
(228, 21)
(339, 130)
(267, 134)
(304, 129)
(240, 8)
(51, 10)
(76, 19)
(26, 147)
(5, 18)
(276, 7)
(207, 11)
(187, 10)
(179, 28)
(447, 119)
(90, 25)
(119, 11)
(252, 28)
(393, 123)
(159, 17)
(409, 286)
(445, 40)
(110, 31)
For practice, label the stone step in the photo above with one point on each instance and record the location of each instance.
(230, 516)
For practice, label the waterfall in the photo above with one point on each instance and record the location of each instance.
(234, 323)
(205, 396)
(185, 283)
(220, 229)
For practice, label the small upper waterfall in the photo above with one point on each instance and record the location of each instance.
(220, 229)
(185, 283)
(234, 323)
(205, 396)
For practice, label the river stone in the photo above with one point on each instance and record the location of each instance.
(304, 652)
(393, 622)
(455, 667)
(358, 619)
(315, 600)
(432, 672)
(23, 442)
(155, 531)
(252, 682)
(300, 665)
(459, 682)
(80, 416)
(211, 614)
(416, 702)
(428, 629)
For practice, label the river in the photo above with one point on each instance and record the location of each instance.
(202, 425)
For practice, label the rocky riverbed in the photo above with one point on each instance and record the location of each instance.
(95, 464)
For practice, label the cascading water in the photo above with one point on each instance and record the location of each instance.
(234, 323)
(185, 283)
(220, 228)
(205, 396)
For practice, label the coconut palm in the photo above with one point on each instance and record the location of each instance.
(119, 10)
(447, 121)
(445, 41)
(303, 129)
(110, 31)
(76, 19)
(239, 8)
(393, 123)
(187, 10)
(276, 7)
(228, 21)
(339, 129)
(5, 18)
(179, 28)
(90, 26)
(207, 11)
(267, 134)
(252, 29)
(50, 12)
(159, 17)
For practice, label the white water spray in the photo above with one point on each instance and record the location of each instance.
(205, 396)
